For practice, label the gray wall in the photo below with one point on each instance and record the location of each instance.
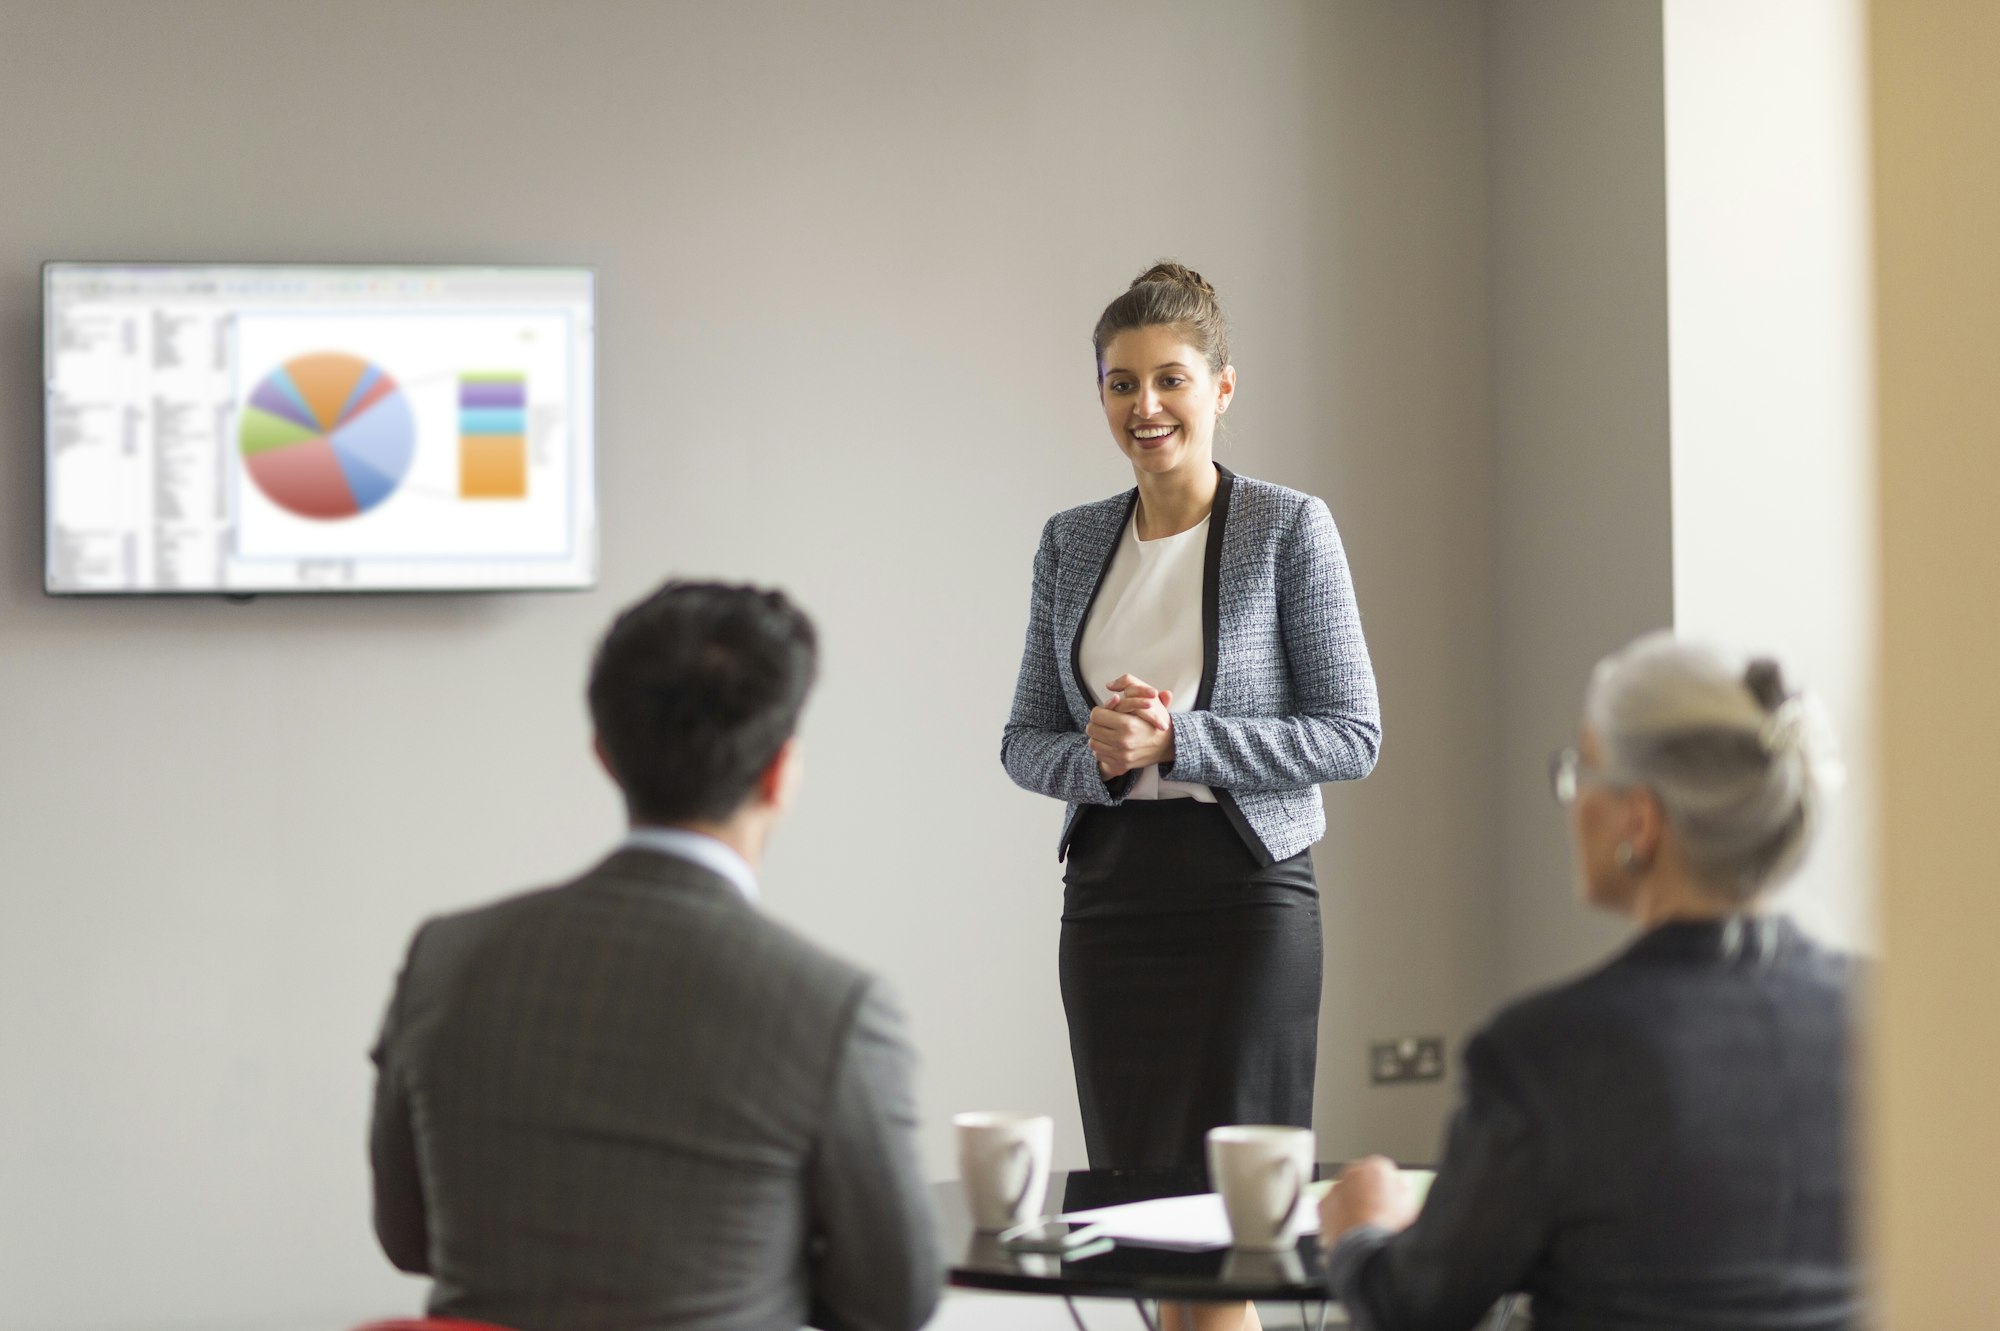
(1396, 380)
(1582, 553)
(849, 256)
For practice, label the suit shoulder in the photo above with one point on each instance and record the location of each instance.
(1557, 1010)
(1817, 963)
(461, 926)
(740, 949)
(1823, 979)
(767, 965)
(1625, 996)
(1277, 508)
(1277, 498)
(801, 956)
(1088, 518)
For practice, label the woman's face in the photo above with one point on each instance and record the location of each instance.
(1161, 399)
(1600, 820)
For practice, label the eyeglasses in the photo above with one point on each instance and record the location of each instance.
(1569, 773)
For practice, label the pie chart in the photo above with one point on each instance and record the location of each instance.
(327, 435)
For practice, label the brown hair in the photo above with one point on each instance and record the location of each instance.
(1168, 293)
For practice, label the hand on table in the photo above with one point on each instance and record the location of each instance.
(1371, 1191)
(1133, 730)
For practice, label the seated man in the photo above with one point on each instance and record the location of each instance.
(1663, 1143)
(633, 1101)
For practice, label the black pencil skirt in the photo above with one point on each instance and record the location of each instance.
(1191, 980)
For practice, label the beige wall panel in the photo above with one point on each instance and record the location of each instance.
(1935, 1079)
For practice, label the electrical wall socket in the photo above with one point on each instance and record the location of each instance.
(1411, 1058)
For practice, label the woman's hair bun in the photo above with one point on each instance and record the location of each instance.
(1168, 271)
(1766, 682)
(1172, 295)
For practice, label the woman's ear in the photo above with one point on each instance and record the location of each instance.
(1225, 389)
(1646, 824)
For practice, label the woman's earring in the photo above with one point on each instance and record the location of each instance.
(1627, 857)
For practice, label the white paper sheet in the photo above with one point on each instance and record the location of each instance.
(1198, 1222)
(1188, 1224)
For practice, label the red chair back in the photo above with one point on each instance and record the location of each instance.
(429, 1324)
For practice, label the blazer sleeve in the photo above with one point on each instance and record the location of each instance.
(1334, 731)
(1487, 1220)
(1042, 748)
(876, 1263)
(401, 1222)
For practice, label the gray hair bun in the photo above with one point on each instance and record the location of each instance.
(1740, 762)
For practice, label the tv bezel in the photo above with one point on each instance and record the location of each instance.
(247, 595)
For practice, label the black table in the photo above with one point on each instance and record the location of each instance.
(1128, 1271)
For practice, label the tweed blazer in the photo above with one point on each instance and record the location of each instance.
(635, 1102)
(1287, 697)
(1665, 1142)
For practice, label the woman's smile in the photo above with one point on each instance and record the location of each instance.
(1161, 398)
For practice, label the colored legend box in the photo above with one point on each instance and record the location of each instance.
(492, 466)
(493, 436)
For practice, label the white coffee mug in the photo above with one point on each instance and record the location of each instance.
(1003, 1160)
(1262, 1173)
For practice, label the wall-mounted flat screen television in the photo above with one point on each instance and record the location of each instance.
(242, 429)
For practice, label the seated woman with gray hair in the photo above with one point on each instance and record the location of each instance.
(1665, 1141)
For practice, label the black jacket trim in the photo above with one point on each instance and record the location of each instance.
(1211, 586)
(1211, 635)
(1123, 783)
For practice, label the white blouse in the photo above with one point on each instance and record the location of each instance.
(1147, 622)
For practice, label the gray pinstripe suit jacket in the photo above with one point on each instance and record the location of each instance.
(636, 1102)
(1287, 696)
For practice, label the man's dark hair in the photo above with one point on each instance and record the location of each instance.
(693, 692)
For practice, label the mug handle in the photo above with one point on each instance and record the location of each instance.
(1019, 1149)
(1284, 1214)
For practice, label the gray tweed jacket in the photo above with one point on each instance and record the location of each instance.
(1287, 696)
(637, 1103)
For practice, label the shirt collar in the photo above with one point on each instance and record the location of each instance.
(696, 848)
(1727, 940)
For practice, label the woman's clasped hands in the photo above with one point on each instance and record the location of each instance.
(1133, 730)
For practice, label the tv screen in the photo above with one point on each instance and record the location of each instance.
(240, 429)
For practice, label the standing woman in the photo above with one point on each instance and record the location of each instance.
(1194, 669)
